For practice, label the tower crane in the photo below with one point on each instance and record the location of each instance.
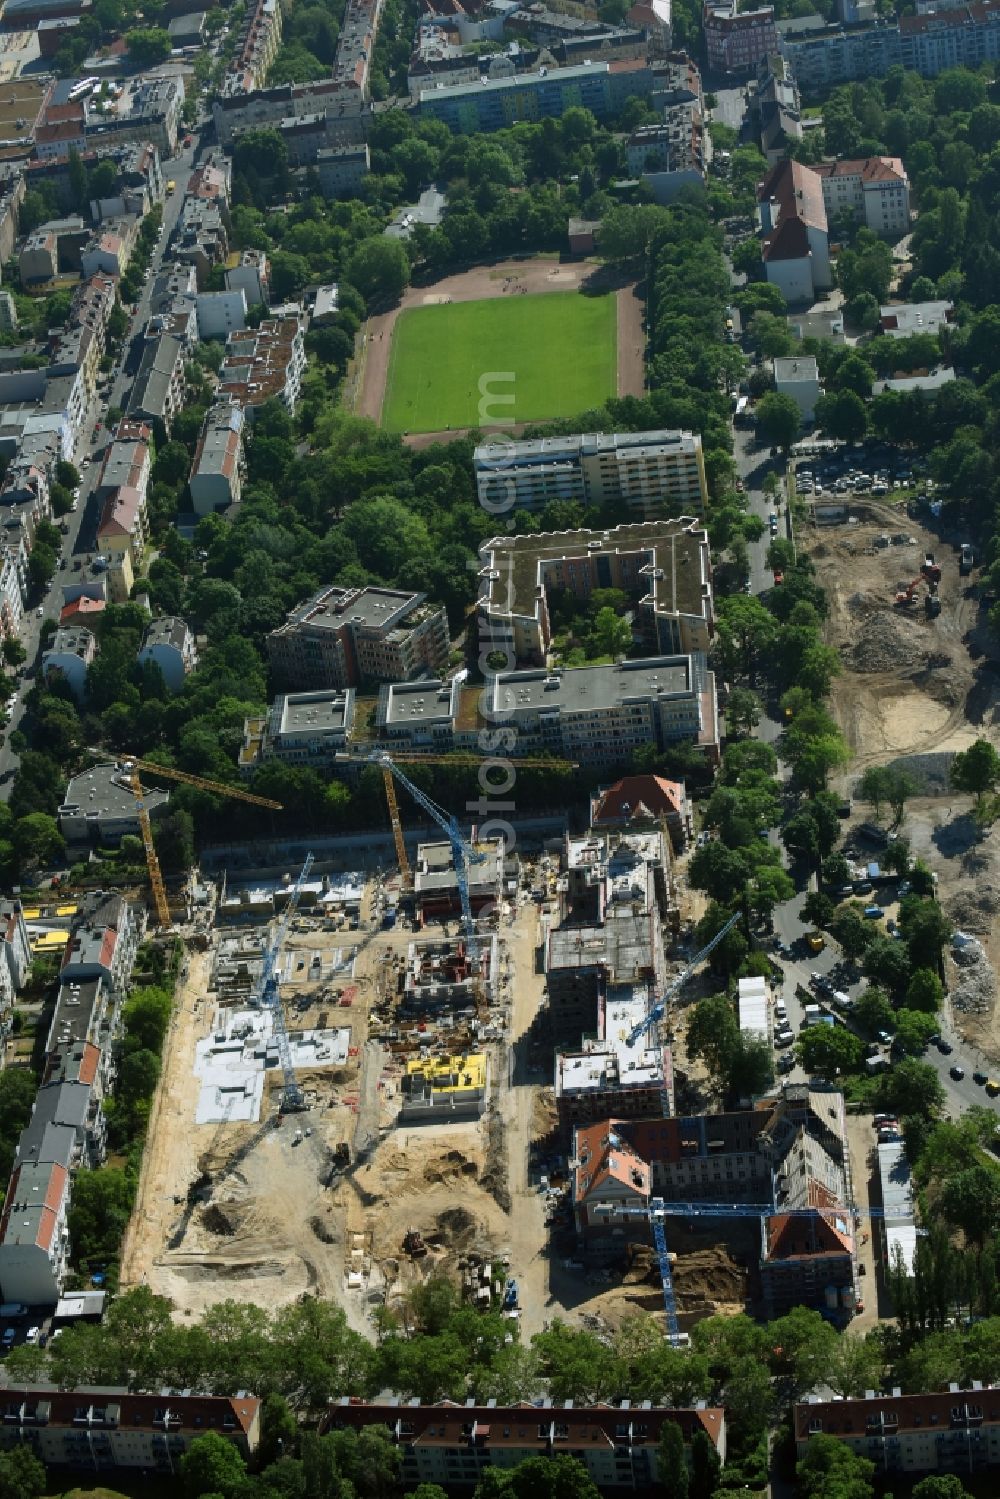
(131, 766)
(653, 1212)
(402, 858)
(463, 854)
(268, 996)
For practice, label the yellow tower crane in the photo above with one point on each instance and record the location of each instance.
(392, 801)
(132, 766)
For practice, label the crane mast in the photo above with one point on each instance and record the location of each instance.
(463, 854)
(268, 996)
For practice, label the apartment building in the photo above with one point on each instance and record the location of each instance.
(342, 169)
(342, 637)
(435, 880)
(169, 644)
(356, 44)
(874, 191)
(346, 109)
(148, 111)
(499, 102)
(256, 46)
(453, 1445)
(124, 525)
(775, 108)
(663, 566)
(950, 1431)
(216, 478)
(79, 346)
(798, 378)
(737, 40)
(67, 657)
(66, 1128)
(795, 244)
(250, 274)
(644, 801)
(99, 806)
(674, 155)
(945, 36)
(788, 1154)
(602, 714)
(301, 728)
(646, 472)
(108, 1427)
(158, 391)
(201, 238)
(904, 319)
(11, 596)
(265, 363)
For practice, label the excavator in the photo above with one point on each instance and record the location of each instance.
(930, 573)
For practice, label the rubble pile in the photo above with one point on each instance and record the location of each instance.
(974, 908)
(976, 988)
(883, 646)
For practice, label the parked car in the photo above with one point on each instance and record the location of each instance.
(873, 913)
(980, 1079)
(957, 1073)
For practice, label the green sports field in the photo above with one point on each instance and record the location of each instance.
(511, 359)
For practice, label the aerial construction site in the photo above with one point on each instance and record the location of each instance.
(374, 1075)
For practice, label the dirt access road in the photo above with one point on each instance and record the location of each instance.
(539, 275)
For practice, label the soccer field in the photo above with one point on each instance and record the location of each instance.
(510, 359)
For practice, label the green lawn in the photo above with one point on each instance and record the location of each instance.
(457, 365)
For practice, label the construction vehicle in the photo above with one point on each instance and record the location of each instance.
(413, 1245)
(267, 995)
(131, 766)
(932, 605)
(930, 573)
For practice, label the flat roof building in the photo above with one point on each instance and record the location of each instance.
(342, 637)
(646, 472)
(663, 565)
(99, 806)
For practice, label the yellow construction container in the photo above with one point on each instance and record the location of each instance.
(66, 910)
(50, 941)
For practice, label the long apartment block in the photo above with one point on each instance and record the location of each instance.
(951, 1431)
(453, 1445)
(646, 474)
(664, 566)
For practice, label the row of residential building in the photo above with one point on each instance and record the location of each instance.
(795, 206)
(452, 1444)
(67, 1128)
(939, 36)
(167, 644)
(256, 47)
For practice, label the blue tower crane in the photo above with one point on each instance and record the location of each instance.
(268, 996)
(463, 854)
(656, 1013)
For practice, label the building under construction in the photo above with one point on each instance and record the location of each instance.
(439, 977)
(439, 1089)
(435, 882)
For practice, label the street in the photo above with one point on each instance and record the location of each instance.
(81, 538)
(753, 464)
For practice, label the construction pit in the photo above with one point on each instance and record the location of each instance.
(914, 690)
(333, 1201)
(909, 684)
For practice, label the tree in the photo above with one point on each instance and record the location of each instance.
(914, 1030)
(911, 1087)
(102, 1202)
(148, 46)
(671, 1463)
(37, 839)
(854, 934)
(940, 1485)
(41, 566)
(970, 1200)
(828, 1469)
(842, 414)
(212, 1465)
(743, 711)
(924, 992)
(22, 1475)
(872, 1011)
(705, 1466)
(835, 871)
(712, 1032)
(379, 268)
(818, 908)
(925, 929)
(612, 634)
(778, 420)
(887, 964)
(805, 1348)
(749, 1068)
(829, 1050)
(976, 771)
(886, 783)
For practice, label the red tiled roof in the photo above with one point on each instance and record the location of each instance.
(606, 1156)
(789, 241)
(868, 168)
(798, 189)
(80, 608)
(634, 796)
